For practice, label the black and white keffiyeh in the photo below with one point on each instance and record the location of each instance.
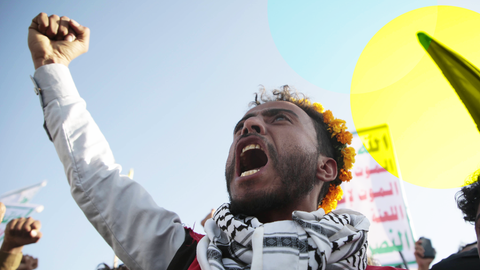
(312, 240)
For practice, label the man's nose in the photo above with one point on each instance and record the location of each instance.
(253, 125)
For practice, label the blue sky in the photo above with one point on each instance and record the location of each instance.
(309, 33)
(166, 82)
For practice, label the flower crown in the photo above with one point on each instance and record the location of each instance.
(338, 129)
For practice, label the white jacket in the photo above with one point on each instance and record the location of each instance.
(142, 234)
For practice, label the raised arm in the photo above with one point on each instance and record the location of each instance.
(143, 235)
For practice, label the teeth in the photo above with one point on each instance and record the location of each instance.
(251, 146)
(249, 172)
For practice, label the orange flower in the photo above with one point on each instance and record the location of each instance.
(318, 107)
(328, 116)
(330, 201)
(345, 137)
(345, 175)
(338, 128)
(327, 205)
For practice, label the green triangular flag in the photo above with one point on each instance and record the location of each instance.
(462, 75)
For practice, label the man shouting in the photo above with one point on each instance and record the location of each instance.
(286, 162)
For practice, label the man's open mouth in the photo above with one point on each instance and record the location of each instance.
(252, 159)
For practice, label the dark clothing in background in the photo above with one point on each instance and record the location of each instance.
(465, 261)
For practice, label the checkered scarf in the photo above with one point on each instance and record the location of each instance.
(313, 240)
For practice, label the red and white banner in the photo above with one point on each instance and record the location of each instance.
(377, 194)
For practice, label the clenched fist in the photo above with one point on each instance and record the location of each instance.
(20, 232)
(56, 39)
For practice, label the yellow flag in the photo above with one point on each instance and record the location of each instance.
(462, 75)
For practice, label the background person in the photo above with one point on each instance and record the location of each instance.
(466, 258)
(467, 247)
(422, 262)
(468, 201)
(18, 232)
(207, 217)
(28, 263)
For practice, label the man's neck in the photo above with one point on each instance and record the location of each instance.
(284, 213)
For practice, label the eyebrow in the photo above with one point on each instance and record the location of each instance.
(267, 113)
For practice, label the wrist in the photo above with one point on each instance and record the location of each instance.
(41, 62)
(9, 248)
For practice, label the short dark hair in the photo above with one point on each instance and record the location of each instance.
(468, 198)
(326, 145)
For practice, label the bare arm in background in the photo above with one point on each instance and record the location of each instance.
(18, 233)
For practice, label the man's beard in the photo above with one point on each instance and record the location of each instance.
(297, 174)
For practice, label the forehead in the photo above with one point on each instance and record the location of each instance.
(284, 106)
(279, 105)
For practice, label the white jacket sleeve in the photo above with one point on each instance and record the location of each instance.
(142, 234)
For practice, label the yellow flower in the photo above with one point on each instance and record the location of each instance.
(318, 107)
(345, 137)
(328, 116)
(303, 100)
(348, 154)
(333, 205)
(339, 194)
(337, 126)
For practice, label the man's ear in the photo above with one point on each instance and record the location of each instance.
(326, 169)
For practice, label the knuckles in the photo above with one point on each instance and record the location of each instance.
(57, 28)
(21, 227)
